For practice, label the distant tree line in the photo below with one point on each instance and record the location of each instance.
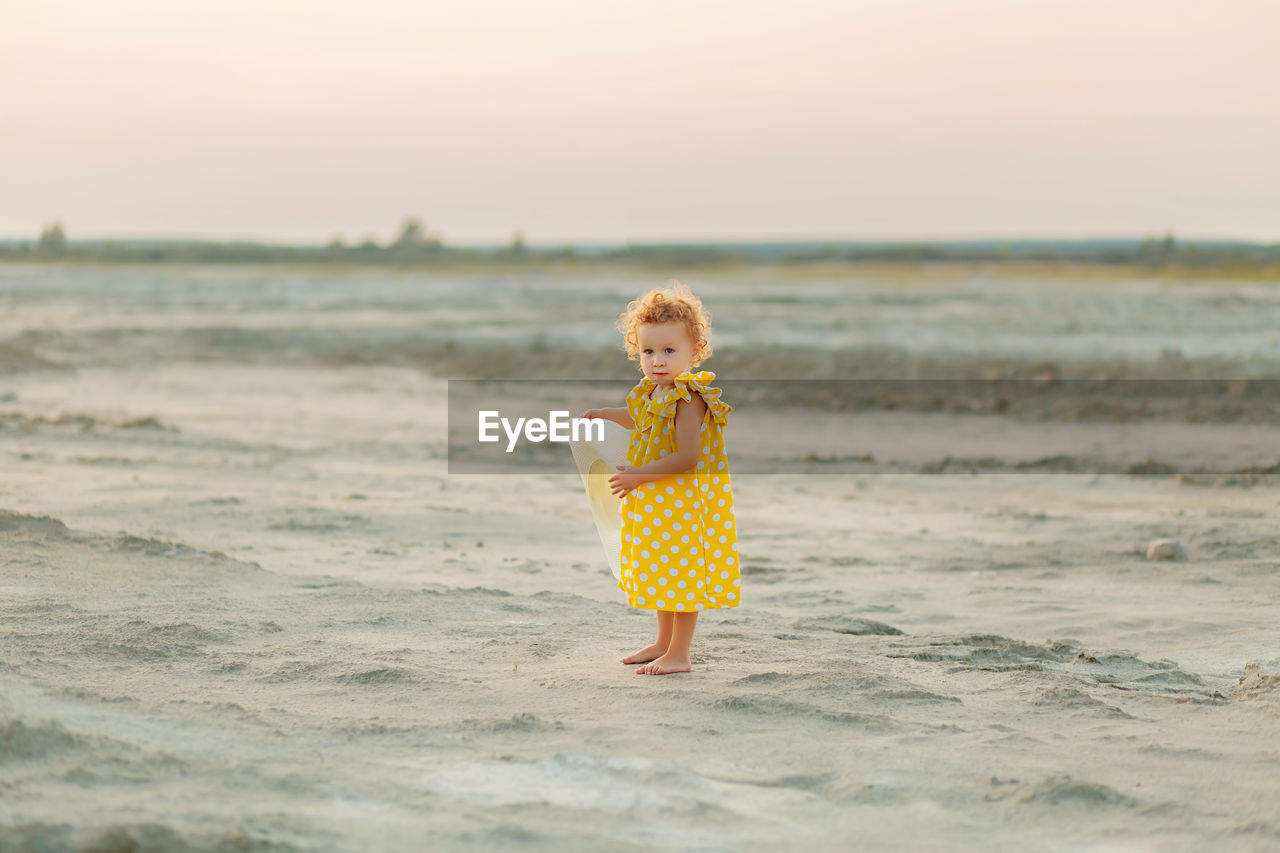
(414, 245)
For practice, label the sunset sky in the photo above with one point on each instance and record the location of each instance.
(584, 121)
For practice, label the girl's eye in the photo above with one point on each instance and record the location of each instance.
(669, 349)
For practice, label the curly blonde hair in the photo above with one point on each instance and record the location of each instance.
(672, 304)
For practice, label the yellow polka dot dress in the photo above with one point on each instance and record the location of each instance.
(679, 538)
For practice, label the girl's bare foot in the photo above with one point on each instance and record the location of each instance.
(646, 654)
(665, 665)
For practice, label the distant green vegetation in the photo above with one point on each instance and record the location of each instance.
(415, 246)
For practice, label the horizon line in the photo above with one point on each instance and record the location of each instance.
(738, 240)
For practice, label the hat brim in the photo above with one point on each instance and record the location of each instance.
(597, 461)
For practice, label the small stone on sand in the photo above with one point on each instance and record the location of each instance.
(1166, 549)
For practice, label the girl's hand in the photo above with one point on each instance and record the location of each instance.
(591, 413)
(625, 480)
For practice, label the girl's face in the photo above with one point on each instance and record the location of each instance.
(666, 350)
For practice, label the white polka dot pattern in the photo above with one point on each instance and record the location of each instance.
(711, 540)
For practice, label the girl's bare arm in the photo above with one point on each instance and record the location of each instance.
(619, 415)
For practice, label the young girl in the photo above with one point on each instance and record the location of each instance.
(679, 540)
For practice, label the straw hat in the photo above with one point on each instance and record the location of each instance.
(597, 462)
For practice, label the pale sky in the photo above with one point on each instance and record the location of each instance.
(590, 120)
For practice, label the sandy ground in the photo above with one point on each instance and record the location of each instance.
(245, 606)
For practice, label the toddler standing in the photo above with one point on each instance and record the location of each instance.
(679, 539)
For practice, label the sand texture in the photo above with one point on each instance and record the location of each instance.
(244, 605)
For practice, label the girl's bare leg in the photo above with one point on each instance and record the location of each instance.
(659, 648)
(676, 657)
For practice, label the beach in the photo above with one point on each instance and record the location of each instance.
(246, 605)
